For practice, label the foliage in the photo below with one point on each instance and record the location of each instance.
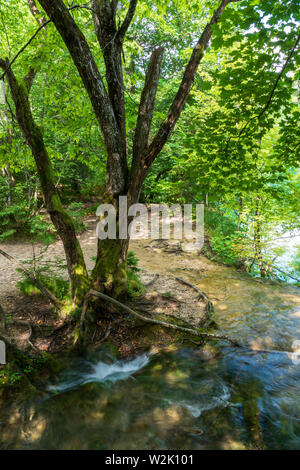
(76, 211)
(295, 263)
(29, 365)
(132, 262)
(135, 285)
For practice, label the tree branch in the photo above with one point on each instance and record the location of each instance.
(32, 38)
(40, 19)
(144, 120)
(29, 78)
(279, 77)
(128, 19)
(60, 218)
(270, 97)
(177, 106)
(94, 85)
(9, 64)
(106, 31)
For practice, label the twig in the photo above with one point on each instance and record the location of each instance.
(32, 38)
(156, 276)
(258, 116)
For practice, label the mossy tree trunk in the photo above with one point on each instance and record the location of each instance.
(109, 274)
(60, 218)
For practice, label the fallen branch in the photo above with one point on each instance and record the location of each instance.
(94, 293)
(40, 286)
(277, 269)
(285, 274)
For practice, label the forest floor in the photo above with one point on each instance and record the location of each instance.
(162, 263)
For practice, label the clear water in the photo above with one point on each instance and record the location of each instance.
(187, 398)
(173, 400)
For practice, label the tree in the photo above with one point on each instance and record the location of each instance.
(109, 273)
(216, 146)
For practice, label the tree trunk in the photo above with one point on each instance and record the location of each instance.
(257, 241)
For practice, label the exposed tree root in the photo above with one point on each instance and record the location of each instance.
(208, 304)
(116, 303)
(2, 318)
(29, 326)
(156, 276)
(7, 336)
(40, 286)
(110, 328)
(17, 321)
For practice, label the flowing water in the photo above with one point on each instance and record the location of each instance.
(182, 398)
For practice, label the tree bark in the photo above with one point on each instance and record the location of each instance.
(143, 125)
(257, 240)
(111, 46)
(109, 274)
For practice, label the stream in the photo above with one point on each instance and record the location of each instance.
(183, 397)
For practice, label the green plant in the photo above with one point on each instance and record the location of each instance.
(224, 247)
(132, 262)
(9, 376)
(40, 230)
(295, 263)
(135, 285)
(77, 212)
(48, 276)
